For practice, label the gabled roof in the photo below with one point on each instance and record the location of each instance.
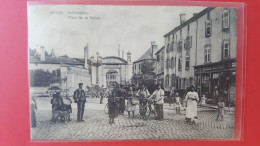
(197, 16)
(159, 50)
(148, 55)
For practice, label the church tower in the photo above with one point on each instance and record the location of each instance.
(129, 57)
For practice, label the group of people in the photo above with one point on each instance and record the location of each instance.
(140, 96)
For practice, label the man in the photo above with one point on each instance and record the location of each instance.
(158, 96)
(101, 94)
(122, 94)
(80, 98)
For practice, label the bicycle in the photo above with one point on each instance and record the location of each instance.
(146, 108)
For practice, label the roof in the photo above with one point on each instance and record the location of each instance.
(160, 50)
(146, 56)
(110, 60)
(56, 60)
(197, 16)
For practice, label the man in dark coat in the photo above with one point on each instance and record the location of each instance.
(80, 98)
(121, 93)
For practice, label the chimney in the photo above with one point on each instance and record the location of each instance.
(182, 18)
(86, 56)
(119, 50)
(154, 48)
(123, 54)
(42, 53)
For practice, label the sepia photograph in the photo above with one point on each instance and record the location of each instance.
(124, 72)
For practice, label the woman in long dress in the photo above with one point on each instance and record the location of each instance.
(191, 98)
(130, 107)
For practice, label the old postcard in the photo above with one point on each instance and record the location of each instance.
(124, 72)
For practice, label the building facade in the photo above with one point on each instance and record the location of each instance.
(160, 66)
(88, 70)
(202, 51)
(148, 57)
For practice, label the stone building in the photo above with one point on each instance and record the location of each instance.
(202, 51)
(160, 66)
(149, 57)
(88, 70)
(111, 69)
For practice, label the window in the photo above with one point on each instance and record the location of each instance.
(168, 48)
(162, 65)
(226, 46)
(188, 42)
(180, 32)
(179, 63)
(158, 58)
(172, 62)
(184, 44)
(184, 83)
(173, 80)
(180, 46)
(187, 63)
(167, 81)
(135, 66)
(225, 19)
(167, 63)
(58, 72)
(172, 46)
(177, 83)
(139, 67)
(188, 29)
(207, 53)
(208, 25)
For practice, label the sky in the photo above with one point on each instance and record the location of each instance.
(133, 27)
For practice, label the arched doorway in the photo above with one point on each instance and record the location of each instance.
(112, 78)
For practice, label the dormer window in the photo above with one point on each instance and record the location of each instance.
(225, 19)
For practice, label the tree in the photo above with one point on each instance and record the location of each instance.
(41, 78)
(147, 66)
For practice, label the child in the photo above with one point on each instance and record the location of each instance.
(67, 105)
(220, 109)
(56, 102)
(112, 107)
(177, 103)
(203, 100)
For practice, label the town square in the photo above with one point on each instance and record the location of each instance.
(129, 76)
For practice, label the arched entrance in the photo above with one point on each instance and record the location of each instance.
(112, 78)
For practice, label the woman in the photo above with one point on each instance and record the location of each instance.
(112, 107)
(191, 111)
(130, 107)
(143, 94)
(33, 115)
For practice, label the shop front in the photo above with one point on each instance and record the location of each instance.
(217, 80)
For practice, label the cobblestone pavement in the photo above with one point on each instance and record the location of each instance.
(96, 125)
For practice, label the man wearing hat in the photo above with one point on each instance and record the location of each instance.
(80, 98)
